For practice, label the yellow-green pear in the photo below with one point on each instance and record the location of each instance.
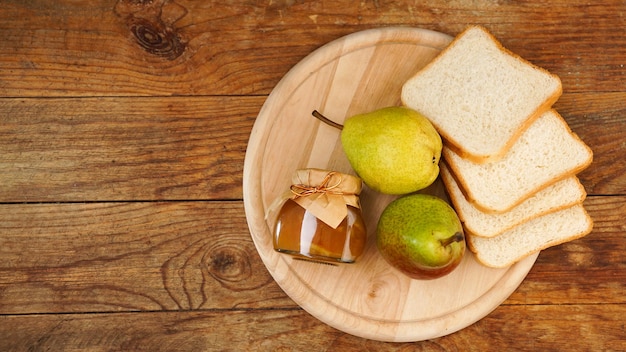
(421, 235)
(395, 150)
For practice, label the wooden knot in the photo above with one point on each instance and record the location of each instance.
(157, 39)
(229, 264)
(153, 24)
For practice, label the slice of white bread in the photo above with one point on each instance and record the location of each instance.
(557, 196)
(546, 152)
(479, 95)
(530, 237)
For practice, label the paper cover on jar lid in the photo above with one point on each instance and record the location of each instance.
(326, 194)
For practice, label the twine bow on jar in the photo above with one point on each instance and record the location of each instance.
(301, 190)
(325, 194)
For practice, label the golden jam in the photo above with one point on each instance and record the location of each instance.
(298, 232)
(321, 217)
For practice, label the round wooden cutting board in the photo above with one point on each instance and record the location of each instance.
(357, 73)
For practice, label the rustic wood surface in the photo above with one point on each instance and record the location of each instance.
(124, 127)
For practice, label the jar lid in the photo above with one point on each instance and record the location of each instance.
(326, 194)
(324, 181)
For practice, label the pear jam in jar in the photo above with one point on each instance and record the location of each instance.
(321, 217)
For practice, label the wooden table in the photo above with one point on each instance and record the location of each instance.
(123, 132)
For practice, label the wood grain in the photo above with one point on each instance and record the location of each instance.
(120, 256)
(100, 257)
(121, 149)
(596, 328)
(599, 121)
(168, 148)
(589, 270)
(239, 48)
(123, 130)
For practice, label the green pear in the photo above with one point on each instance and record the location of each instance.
(395, 150)
(421, 235)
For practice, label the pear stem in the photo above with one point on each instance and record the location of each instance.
(324, 119)
(457, 237)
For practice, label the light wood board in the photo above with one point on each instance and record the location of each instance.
(358, 73)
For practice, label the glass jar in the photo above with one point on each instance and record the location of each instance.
(321, 219)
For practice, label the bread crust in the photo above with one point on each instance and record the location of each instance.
(459, 125)
(450, 182)
(483, 159)
(477, 202)
(456, 145)
(480, 258)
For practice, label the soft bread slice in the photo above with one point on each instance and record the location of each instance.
(479, 95)
(546, 152)
(532, 236)
(557, 196)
